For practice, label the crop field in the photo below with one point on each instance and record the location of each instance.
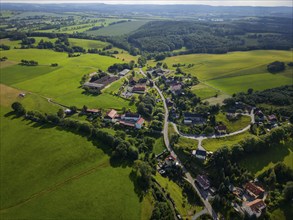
(213, 144)
(117, 29)
(58, 170)
(257, 164)
(236, 71)
(59, 83)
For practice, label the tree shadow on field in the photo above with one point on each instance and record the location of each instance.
(12, 115)
(137, 189)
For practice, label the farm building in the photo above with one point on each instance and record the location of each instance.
(140, 88)
(123, 72)
(94, 86)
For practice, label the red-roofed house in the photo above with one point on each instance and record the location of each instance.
(255, 207)
(221, 129)
(111, 116)
(254, 190)
(139, 123)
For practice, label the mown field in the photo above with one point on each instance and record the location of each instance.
(117, 29)
(59, 83)
(212, 144)
(56, 174)
(237, 71)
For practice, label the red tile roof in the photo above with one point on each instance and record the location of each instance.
(254, 189)
(140, 121)
(112, 113)
(256, 205)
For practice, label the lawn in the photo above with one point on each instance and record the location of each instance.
(187, 143)
(256, 164)
(283, 213)
(159, 145)
(212, 144)
(117, 29)
(186, 209)
(233, 126)
(50, 173)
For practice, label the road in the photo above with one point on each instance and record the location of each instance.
(198, 214)
(167, 143)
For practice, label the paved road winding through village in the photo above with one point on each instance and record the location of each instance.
(167, 143)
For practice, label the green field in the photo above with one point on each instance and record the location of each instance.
(203, 91)
(186, 209)
(212, 144)
(256, 164)
(61, 83)
(236, 71)
(233, 126)
(117, 29)
(59, 175)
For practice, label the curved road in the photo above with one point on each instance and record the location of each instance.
(167, 143)
(202, 137)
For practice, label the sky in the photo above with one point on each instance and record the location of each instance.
(203, 2)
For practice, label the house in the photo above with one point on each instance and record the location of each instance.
(176, 88)
(94, 86)
(203, 181)
(272, 118)
(140, 88)
(129, 116)
(254, 190)
(123, 72)
(139, 123)
(221, 129)
(193, 118)
(67, 111)
(21, 95)
(169, 102)
(93, 111)
(170, 161)
(111, 116)
(255, 207)
(142, 80)
(200, 154)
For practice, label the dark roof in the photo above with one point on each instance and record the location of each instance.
(201, 153)
(132, 115)
(191, 115)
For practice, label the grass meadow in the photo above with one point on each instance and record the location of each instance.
(60, 83)
(236, 71)
(117, 29)
(186, 209)
(258, 163)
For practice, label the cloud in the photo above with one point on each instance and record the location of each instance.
(204, 2)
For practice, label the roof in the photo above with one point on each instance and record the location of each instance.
(203, 180)
(125, 71)
(192, 115)
(140, 87)
(221, 127)
(256, 205)
(96, 85)
(131, 115)
(93, 110)
(176, 87)
(254, 189)
(170, 157)
(272, 117)
(201, 153)
(112, 113)
(140, 121)
(127, 123)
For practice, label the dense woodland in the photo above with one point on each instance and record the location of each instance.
(209, 37)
